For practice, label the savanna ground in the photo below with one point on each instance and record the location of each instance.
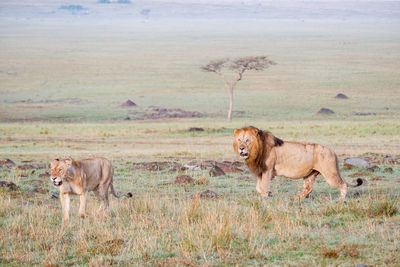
(61, 90)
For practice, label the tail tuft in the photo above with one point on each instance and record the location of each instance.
(359, 181)
(129, 194)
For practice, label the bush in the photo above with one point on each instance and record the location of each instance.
(73, 7)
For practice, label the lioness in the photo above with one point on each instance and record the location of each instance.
(81, 176)
(267, 156)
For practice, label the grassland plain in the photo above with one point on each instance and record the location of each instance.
(61, 89)
(57, 71)
(163, 225)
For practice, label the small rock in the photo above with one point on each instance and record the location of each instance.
(183, 179)
(388, 170)
(373, 168)
(128, 103)
(127, 118)
(196, 129)
(205, 194)
(7, 163)
(357, 162)
(192, 167)
(10, 185)
(341, 96)
(216, 171)
(389, 160)
(228, 167)
(325, 111)
(28, 203)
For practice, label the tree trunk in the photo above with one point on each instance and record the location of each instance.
(230, 104)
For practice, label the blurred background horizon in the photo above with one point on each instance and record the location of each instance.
(62, 60)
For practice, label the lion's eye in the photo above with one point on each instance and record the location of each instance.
(247, 141)
(239, 140)
(59, 171)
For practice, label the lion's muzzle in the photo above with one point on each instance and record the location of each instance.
(243, 152)
(244, 155)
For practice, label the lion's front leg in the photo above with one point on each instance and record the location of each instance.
(263, 183)
(64, 198)
(82, 206)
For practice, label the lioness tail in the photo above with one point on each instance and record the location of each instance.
(359, 182)
(121, 195)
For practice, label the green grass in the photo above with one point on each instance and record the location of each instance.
(162, 225)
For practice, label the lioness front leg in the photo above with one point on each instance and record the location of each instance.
(82, 206)
(64, 198)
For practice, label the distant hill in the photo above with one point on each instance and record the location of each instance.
(201, 9)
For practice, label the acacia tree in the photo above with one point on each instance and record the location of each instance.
(238, 66)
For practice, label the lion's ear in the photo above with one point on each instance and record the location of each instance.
(255, 131)
(236, 131)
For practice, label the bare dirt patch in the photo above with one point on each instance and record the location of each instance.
(183, 179)
(7, 163)
(325, 111)
(128, 103)
(364, 113)
(164, 113)
(173, 166)
(9, 185)
(341, 96)
(382, 158)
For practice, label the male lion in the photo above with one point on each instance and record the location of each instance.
(267, 156)
(81, 176)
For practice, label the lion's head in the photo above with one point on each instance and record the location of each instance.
(254, 145)
(60, 170)
(248, 142)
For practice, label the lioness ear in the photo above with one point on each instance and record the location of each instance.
(54, 162)
(68, 161)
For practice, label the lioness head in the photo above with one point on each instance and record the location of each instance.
(247, 142)
(60, 169)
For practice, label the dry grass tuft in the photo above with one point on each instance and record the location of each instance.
(372, 207)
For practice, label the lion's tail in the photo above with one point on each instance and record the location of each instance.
(359, 182)
(121, 195)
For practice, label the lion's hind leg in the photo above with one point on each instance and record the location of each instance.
(102, 195)
(334, 179)
(307, 185)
